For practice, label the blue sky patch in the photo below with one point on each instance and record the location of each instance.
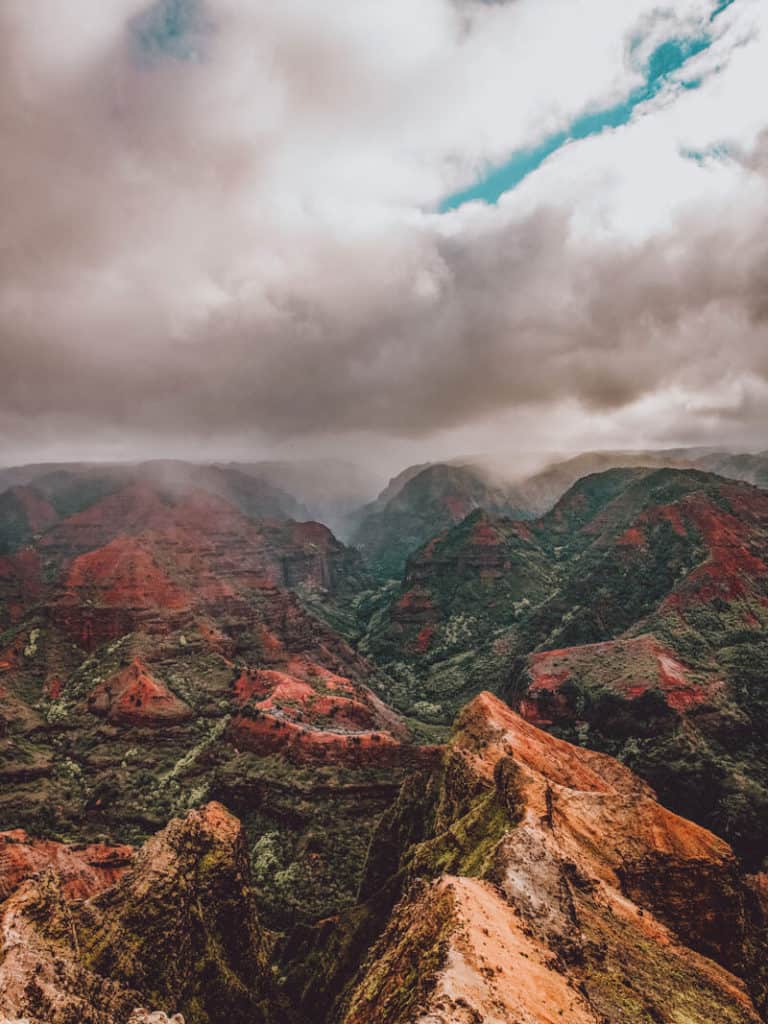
(722, 6)
(172, 28)
(719, 152)
(666, 60)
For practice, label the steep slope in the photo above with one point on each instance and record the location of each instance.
(424, 504)
(157, 650)
(460, 589)
(639, 628)
(588, 902)
(24, 512)
(97, 961)
(539, 882)
(83, 871)
(655, 649)
(157, 653)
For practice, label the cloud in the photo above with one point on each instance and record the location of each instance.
(219, 223)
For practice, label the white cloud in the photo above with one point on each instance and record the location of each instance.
(241, 245)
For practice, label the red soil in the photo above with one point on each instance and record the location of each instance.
(671, 514)
(269, 684)
(53, 688)
(309, 670)
(301, 744)
(731, 571)
(485, 533)
(415, 607)
(629, 667)
(131, 509)
(123, 574)
(84, 871)
(134, 697)
(424, 639)
(13, 654)
(292, 695)
(633, 537)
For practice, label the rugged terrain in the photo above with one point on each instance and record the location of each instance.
(520, 880)
(425, 499)
(631, 618)
(178, 930)
(416, 506)
(222, 731)
(155, 652)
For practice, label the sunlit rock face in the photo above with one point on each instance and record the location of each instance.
(556, 887)
(543, 882)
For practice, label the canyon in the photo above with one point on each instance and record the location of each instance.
(525, 781)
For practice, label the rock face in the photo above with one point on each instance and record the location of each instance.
(164, 647)
(538, 882)
(654, 644)
(435, 498)
(143, 1016)
(160, 647)
(633, 617)
(591, 903)
(134, 697)
(100, 960)
(83, 871)
(457, 592)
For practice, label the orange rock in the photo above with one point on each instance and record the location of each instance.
(134, 697)
(597, 904)
(84, 870)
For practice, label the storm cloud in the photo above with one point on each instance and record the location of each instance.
(220, 219)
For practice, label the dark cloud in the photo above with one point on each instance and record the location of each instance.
(170, 268)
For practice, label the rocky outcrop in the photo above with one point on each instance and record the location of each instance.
(632, 617)
(312, 716)
(590, 902)
(136, 624)
(178, 930)
(134, 697)
(142, 1016)
(158, 652)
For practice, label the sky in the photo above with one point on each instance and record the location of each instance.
(390, 231)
